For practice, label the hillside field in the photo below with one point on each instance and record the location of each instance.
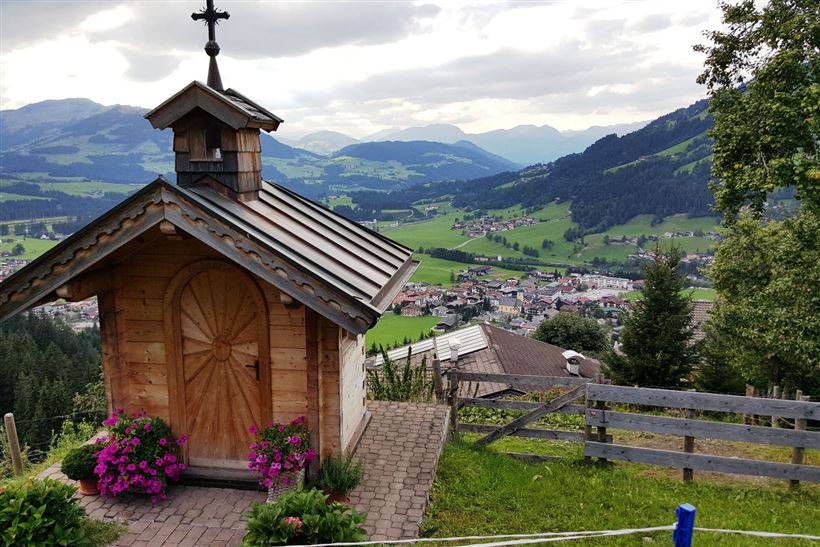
(436, 271)
(393, 328)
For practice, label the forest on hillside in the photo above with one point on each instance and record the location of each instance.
(48, 374)
(661, 170)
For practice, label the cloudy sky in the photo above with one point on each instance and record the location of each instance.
(362, 66)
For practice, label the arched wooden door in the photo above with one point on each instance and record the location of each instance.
(223, 366)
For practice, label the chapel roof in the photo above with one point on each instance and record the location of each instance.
(342, 270)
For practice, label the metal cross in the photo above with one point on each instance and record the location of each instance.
(211, 16)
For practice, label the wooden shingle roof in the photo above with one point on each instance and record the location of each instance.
(337, 267)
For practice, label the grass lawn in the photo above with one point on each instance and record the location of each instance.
(435, 232)
(88, 188)
(698, 293)
(436, 271)
(33, 247)
(483, 492)
(393, 328)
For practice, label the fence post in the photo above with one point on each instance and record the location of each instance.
(689, 447)
(775, 395)
(437, 386)
(587, 427)
(454, 403)
(601, 407)
(685, 528)
(797, 452)
(14, 444)
(748, 419)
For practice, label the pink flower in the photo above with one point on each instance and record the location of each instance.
(182, 440)
(296, 522)
(163, 441)
(147, 426)
(135, 441)
(252, 430)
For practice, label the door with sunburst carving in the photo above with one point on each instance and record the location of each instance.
(222, 326)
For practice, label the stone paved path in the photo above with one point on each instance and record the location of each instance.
(400, 449)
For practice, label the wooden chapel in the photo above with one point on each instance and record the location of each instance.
(225, 300)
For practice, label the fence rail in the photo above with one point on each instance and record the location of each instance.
(599, 418)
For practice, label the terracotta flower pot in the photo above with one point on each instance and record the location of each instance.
(336, 497)
(88, 487)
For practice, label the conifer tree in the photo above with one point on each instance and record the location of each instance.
(656, 341)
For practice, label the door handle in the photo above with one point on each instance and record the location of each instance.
(255, 365)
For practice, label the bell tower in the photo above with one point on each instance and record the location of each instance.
(216, 131)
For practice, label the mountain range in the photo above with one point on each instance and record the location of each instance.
(523, 144)
(661, 169)
(77, 139)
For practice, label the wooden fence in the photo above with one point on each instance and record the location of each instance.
(599, 418)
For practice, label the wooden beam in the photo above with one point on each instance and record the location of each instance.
(705, 462)
(521, 379)
(665, 425)
(503, 404)
(542, 410)
(90, 284)
(530, 433)
(704, 401)
(312, 356)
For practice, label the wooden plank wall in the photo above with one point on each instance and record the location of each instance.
(288, 355)
(137, 363)
(329, 388)
(140, 321)
(353, 394)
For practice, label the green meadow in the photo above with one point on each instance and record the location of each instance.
(392, 329)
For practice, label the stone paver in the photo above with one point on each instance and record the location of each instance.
(191, 515)
(400, 449)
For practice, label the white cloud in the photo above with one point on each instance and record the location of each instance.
(107, 20)
(360, 67)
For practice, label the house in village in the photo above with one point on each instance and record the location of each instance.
(225, 300)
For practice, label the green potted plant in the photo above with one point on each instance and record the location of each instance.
(302, 517)
(79, 465)
(338, 476)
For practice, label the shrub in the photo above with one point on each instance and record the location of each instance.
(80, 463)
(300, 518)
(139, 454)
(340, 474)
(280, 451)
(408, 383)
(43, 512)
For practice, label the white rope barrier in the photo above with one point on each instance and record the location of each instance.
(549, 537)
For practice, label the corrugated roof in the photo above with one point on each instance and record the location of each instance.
(471, 338)
(358, 261)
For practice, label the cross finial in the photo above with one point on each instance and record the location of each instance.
(211, 16)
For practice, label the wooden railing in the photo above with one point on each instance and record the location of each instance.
(690, 428)
(599, 418)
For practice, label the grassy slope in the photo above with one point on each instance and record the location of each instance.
(697, 294)
(34, 247)
(393, 328)
(483, 492)
(436, 271)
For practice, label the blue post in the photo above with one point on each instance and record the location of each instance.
(682, 535)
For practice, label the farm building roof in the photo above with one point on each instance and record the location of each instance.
(485, 348)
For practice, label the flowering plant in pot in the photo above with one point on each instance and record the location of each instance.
(338, 476)
(279, 455)
(79, 465)
(138, 456)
